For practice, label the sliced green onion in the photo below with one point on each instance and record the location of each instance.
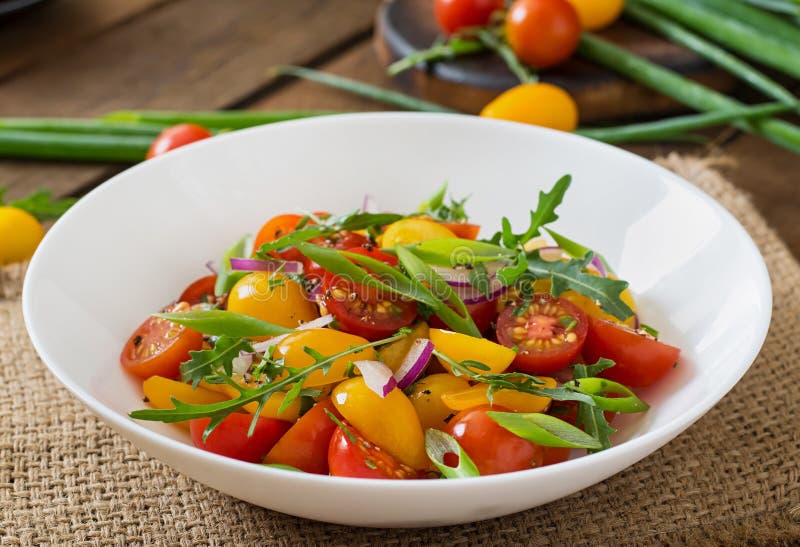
(238, 249)
(282, 466)
(710, 51)
(682, 89)
(214, 119)
(649, 330)
(360, 88)
(594, 387)
(738, 35)
(73, 146)
(544, 430)
(437, 444)
(224, 323)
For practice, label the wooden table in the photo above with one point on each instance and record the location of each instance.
(86, 57)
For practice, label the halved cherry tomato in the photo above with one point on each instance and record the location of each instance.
(305, 445)
(343, 240)
(177, 136)
(640, 359)
(542, 33)
(549, 335)
(493, 448)
(277, 227)
(200, 291)
(230, 438)
(482, 313)
(367, 311)
(158, 347)
(351, 455)
(454, 15)
(463, 230)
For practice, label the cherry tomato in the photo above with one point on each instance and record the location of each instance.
(542, 104)
(542, 33)
(277, 227)
(177, 136)
(20, 233)
(273, 298)
(200, 291)
(351, 455)
(305, 445)
(426, 396)
(343, 240)
(463, 230)
(483, 313)
(640, 359)
(549, 335)
(494, 449)
(463, 347)
(230, 438)
(454, 15)
(367, 311)
(158, 347)
(414, 230)
(597, 14)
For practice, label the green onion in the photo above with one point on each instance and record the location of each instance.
(712, 52)
(649, 330)
(522, 72)
(73, 146)
(779, 6)
(768, 24)
(360, 88)
(438, 52)
(670, 126)
(437, 444)
(224, 323)
(213, 119)
(682, 89)
(738, 35)
(81, 125)
(544, 430)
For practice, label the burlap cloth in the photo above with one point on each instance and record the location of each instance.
(731, 478)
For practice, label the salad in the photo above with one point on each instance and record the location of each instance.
(400, 346)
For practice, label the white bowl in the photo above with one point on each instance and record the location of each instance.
(128, 247)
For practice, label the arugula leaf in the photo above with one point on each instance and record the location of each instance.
(509, 275)
(205, 362)
(41, 204)
(572, 275)
(437, 444)
(435, 201)
(601, 365)
(436, 208)
(238, 249)
(542, 215)
(544, 430)
(224, 323)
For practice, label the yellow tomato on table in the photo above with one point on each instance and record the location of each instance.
(20, 234)
(541, 104)
(597, 14)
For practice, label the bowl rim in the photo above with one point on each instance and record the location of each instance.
(656, 438)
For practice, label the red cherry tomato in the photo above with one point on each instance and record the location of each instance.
(339, 240)
(175, 137)
(483, 314)
(549, 334)
(158, 347)
(494, 449)
(275, 228)
(543, 33)
(230, 438)
(366, 311)
(351, 455)
(305, 445)
(640, 359)
(200, 291)
(454, 15)
(463, 230)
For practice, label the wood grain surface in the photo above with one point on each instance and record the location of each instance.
(85, 57)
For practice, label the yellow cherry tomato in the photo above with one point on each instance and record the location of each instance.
(507, 398)
(462, 347)
(390, 422)
(414, 230)
(327, 342)
(541, 104)
(270, 408)
(273, 298)
(426, 396)
(597, 14)
(393, 354)
(160, 390)
(20, 234)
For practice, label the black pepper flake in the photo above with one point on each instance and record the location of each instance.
(577, 382)
(145, 399)
(137, 340)
(450, 417)
(426, 392)
(368, 246)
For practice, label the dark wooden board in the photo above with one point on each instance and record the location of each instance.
(470, 82)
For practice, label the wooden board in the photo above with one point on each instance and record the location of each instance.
(470, 82)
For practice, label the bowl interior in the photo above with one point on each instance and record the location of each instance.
(132, 245)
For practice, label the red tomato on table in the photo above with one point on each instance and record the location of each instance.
(230, 438)
(158, 347)
(177, 136)
(454, 15)
(543, 33)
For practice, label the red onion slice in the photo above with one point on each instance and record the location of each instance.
(599, 266)
(212, 267)
(471, 295)
(241, 364)
(414, 362)
(256, 265)
(455, 277)
(377, 376)
(369, 205)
